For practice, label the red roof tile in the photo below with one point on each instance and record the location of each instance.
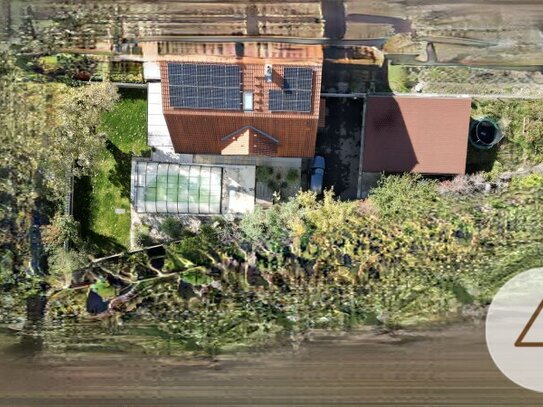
(416, 134)
(201, 131)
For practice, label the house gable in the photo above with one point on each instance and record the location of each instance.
(249, 141)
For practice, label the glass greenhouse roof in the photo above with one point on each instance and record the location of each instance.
(176, 188)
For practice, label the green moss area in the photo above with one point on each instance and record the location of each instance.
(98, 197)
(398, 79)
(104, 289)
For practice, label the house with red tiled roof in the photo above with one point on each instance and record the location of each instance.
(262, 101)
(215, 112)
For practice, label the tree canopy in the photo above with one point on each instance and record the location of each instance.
(50, 131)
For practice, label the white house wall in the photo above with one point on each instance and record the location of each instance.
(157, 131)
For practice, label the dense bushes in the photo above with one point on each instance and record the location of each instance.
(406, 256)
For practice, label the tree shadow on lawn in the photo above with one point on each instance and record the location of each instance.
(97, 244)
(120, 174)
(82, 203)
(101, 245)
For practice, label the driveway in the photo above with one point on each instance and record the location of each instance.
(339, 143)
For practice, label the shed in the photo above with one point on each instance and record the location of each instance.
(419, 134)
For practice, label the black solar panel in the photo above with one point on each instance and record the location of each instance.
(296, 93)
(276, 100)
(296, 78)
(205, 86)
(290, 101)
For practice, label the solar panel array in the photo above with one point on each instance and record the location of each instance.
(296, 93)
(205, 86)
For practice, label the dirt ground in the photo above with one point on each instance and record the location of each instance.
(445, 367)
(140, 19)
(502, 32)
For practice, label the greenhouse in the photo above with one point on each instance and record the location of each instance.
(177, 188)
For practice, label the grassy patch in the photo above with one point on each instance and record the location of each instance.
(522, 126)
(126, 125)
(467, 80)
(109, 189)
(398, 79)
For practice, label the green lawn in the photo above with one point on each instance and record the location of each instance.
(126, 125)
(109, 189)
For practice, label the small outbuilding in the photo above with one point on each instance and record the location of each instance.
(419, 134)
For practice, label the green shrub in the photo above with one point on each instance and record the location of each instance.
(62, 229)
(272, 185)
(263, 173)
(398, 79)
(530, 182)
(405, 197)
(193, 249)
(62, 264)
(143, 237)
(293, 175)
(104, 289)
(172, 227)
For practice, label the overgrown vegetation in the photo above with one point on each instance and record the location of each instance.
(522, 125)
(462, 80)
(416, 251)
(282, 181)
(409, 254)
(50, 132)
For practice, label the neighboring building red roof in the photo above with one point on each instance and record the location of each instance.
(419, 134)
(281, 134)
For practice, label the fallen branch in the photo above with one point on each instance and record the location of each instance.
(115, 303)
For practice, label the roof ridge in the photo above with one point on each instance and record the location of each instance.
(263, 133)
